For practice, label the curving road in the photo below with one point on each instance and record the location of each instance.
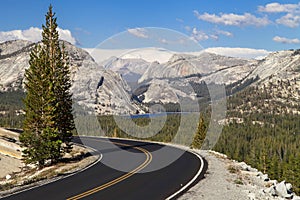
(127, 170)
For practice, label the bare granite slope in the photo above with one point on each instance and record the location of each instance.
(86, 76)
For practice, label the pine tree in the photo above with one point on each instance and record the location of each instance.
(59, 67)
(200, 134)
(49, 121)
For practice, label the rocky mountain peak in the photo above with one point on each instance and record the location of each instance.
(281, 64)
(13, 46)
(85, 73)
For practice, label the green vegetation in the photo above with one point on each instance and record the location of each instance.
(233, 169)
(263, 127)
(238, 182)
(166, 134)
(48, 121)
(266, 136)
(272, 148)
(200, 134)
(11, 109)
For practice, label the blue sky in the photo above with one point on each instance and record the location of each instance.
(270, 25)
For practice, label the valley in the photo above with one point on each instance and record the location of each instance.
(262, 99)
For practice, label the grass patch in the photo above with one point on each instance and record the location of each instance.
(238, 182)
(233, 169)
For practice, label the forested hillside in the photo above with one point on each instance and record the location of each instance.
(262, 126)
(263, 129)
(260, 129)
(11, 109)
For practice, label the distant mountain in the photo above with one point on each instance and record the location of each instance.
(148, 54)
(246, 53)
(206, 64)
(164, 82)
(131, 69)
(179, 69)
(278, 89)
(282, 64)
(91, 82)
(115, 86)
(161, 55)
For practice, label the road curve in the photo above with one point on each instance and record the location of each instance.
(128, 170)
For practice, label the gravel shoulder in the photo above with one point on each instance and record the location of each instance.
(232, 180)
(224, 179)
(218, 182)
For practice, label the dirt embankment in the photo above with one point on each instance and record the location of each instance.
(15, 175)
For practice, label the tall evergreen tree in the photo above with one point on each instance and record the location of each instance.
(49, 121)
(200, 134)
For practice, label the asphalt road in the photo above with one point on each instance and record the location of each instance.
(127, 170)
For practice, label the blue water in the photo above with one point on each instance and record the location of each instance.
(149, 115)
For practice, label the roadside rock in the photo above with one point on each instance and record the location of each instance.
(243, 166)
(265, 177)
(283, 190)
(271, 190)
(8, 177)
(229, 179)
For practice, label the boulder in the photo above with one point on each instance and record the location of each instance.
(282, 191)
(296, 198)
(271, 190)
(265, 177)
(289, 187)
(274, 182)
(8, 177)
(244, 166)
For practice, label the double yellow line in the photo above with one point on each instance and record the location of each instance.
(121, 178)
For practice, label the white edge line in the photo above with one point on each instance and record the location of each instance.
(54, 179)
(101, 156)
(166, 144)
(192, 180)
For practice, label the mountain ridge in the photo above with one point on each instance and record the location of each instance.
(85, 75)
(166, 82)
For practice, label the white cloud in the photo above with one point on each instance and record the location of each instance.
(214, 36)
(239, 52)
(149, 54)
(199, 35)
(65, 34)
(289, 20)
(226, 33)
(163, 55)
(286, 40)
(101, 55)
(34, 34)
(232, 19)
(138, 32)
(278, 8)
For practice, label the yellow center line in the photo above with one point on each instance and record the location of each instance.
(119, 179)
